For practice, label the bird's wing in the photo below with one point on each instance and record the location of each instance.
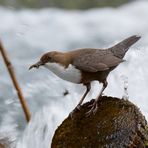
(96, 62)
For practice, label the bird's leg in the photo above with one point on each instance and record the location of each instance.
(88, 87)
(95, 104)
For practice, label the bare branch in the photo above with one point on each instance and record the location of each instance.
(15, 82)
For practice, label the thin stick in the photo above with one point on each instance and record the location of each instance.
(15, 82)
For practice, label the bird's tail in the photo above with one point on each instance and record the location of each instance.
(121, 48)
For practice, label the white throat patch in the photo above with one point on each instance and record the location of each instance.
(70, 73)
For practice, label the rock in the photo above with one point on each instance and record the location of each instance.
(117, 123)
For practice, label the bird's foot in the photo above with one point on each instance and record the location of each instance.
(77, 108)
(94, 108)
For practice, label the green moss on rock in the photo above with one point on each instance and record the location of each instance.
(117, 123)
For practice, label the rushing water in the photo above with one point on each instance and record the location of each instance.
(27, 34)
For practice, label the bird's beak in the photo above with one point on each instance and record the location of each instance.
(36, 65)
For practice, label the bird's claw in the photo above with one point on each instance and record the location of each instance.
(77, 108)
(71, 114)
(90, 106)
(94, 108)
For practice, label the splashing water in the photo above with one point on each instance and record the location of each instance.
(125, 81)
(29, 33)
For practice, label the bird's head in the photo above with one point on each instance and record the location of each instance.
(46, 58)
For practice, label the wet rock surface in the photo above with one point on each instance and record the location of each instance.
(117, 123)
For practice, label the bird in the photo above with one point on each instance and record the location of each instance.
(82, 66)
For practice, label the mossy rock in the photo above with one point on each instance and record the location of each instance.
(117, 124)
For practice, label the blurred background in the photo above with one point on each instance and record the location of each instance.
(29, 28)
(64, 4)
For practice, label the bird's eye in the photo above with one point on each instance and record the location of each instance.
(49, 58)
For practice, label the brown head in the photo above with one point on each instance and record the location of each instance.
(47, 57)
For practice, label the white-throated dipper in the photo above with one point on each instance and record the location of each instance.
(86, 65)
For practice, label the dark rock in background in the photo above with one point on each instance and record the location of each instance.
(117, 123)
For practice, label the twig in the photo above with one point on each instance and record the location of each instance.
(15, 82)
